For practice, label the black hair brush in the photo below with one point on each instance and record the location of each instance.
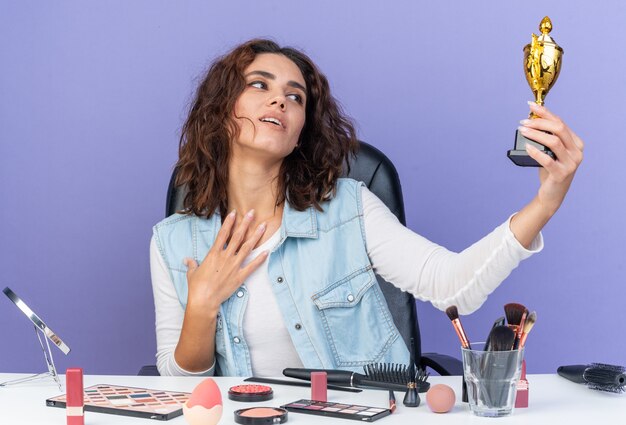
(597, 376)
(398, 374)
(387, 381)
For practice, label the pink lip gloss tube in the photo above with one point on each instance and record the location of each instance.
(319, 386)
(75, 401)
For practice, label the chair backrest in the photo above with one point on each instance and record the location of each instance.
(373, 168)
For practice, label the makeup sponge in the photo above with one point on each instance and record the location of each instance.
(440, 398)
(204, 406)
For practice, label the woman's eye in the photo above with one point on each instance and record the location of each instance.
(258, 84)
(295, 97)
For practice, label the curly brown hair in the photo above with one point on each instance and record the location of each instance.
(308, 175)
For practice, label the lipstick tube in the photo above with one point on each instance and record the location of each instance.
(318, 386)
(74, 397)
(521, 399)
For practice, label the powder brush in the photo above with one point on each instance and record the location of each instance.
(516, 316)
(494, 366)
(499, 322)
(501, 338)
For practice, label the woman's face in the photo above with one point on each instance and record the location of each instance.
(270, 112)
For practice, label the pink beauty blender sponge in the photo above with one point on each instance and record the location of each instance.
(440, 398)
(204, 406)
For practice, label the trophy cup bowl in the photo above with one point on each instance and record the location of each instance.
(542, 65)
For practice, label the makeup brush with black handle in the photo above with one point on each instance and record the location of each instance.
(500, 321)
(597, 376)
(345, 378)
(497, 368)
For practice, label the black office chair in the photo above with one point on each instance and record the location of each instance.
(374, 169)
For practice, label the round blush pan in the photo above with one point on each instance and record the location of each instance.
(250, 392)
(261, 416)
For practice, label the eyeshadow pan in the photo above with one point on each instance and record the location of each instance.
(115, 397)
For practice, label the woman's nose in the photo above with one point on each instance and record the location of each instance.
(280, 101)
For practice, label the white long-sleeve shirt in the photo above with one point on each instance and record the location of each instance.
(409, 261)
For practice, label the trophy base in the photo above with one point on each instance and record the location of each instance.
(520, 157)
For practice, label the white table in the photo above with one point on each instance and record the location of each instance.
(552, 400)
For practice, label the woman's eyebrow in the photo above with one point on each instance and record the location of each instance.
(271, 76)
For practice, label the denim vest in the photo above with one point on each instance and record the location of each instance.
(321, 277)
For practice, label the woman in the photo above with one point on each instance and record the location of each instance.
(272, 263)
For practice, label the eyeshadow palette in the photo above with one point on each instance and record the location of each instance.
(129, 401)
(337, 410)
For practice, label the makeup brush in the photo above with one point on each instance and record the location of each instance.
(502, 338)
(515, 316)
(528, 325)
(453, 315)
(597, 376)
(495, 367)
(499, 322)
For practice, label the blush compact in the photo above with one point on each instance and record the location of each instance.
(250, 393)
(261, 416)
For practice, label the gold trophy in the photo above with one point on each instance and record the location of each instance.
(542, 64)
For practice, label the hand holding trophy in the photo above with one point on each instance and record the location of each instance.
(542, 64)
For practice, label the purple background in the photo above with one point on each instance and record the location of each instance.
(93, 94)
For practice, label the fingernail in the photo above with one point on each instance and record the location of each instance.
(261, 227)
(232, 213)
(522, 129)
(250, 214)
(530, 147)
(524, 122)
(533, 104)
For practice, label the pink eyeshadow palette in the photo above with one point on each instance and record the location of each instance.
(337, 410)
(128, 401)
